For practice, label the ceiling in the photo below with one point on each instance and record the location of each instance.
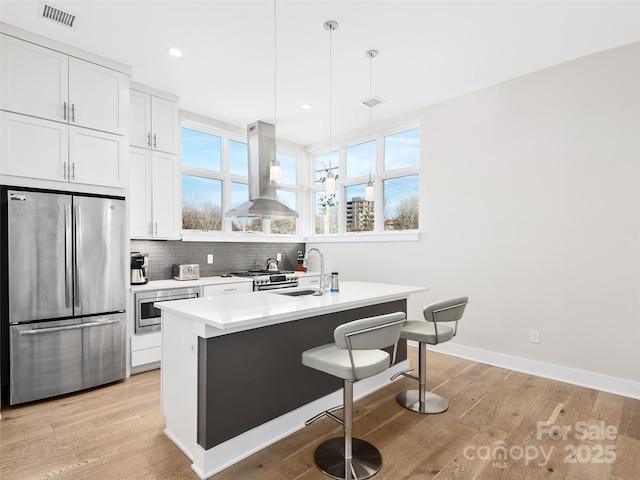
(429, 51)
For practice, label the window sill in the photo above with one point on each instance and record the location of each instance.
(244, 237)
(258, 237)
(412, 236)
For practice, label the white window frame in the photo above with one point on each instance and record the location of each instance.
(378, 176)
(226, 234)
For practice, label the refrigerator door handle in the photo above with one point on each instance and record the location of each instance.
(68, 256)
(77, 258)
(68, 327)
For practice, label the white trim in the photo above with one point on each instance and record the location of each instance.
(605, 383)
(255, 237)
(45, 42)
(209, 462)
(411, 236)
(259, 237)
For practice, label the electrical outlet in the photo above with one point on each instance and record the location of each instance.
(534, 336)
(210, 258)
(279, 257)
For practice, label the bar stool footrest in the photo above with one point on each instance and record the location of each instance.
(366, 461)
(326, 413)
(405, 373)
(433, 403)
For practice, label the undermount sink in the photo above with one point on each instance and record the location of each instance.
(295, 293)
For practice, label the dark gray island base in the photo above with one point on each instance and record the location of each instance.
(248, 378)
(232, 375)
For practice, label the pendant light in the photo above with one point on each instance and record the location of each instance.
(369, 191)
(275, 172)
(330, 182)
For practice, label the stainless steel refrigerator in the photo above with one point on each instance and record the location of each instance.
(65, 284)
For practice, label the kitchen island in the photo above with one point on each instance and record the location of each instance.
(232, 377)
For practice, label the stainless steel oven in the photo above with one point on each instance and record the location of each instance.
(147, 316)
(270, 280)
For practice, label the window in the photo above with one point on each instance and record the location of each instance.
(239, 195)
(326, 203)
(326, 212)
(360, 213)
(201, 203)
(287, 194)
(391, 161)
(201, 150)
(215, 171)
(401, 203)
(401, 191)
(238, 158)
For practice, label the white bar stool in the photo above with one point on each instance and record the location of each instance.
(428, 332)
(356, 354)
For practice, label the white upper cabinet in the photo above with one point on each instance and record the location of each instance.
(97, 97)
(154, 164)
(63, 118)
(154, 194)
(35, 80)
(21, 155)
(37, 148)
(44, 83)
(153, 122)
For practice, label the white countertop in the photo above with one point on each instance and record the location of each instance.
(215, 280)
(167, 284)
(243, 311)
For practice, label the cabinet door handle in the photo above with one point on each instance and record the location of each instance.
(73, 171)
(156, 234)
(150, 230)
(154, 141)
(64, 111)
(64, 170)
(73, 112)
(148, 139)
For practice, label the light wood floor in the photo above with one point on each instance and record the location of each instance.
(115, 432)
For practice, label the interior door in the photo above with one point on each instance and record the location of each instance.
(40, 255)
(100, 257)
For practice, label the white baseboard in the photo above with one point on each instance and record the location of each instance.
(597, 381)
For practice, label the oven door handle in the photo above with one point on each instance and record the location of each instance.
(79, 326)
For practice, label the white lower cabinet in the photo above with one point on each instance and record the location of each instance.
(42, 149)
(224, 289)
(145, 349)
(309, 281)
(154, 194)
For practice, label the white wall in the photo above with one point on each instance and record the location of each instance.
(530, 204)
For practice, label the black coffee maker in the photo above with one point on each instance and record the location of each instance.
(138, 268)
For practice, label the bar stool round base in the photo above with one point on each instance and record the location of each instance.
(433, 403)
(365, 463)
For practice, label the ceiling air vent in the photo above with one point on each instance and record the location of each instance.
(372, 102)
(57, 15)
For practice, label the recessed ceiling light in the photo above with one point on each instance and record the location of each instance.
(175, 52)
(305, 106)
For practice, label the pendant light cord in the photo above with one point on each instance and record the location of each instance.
(370, 109)
(330, 90)
(275, 70)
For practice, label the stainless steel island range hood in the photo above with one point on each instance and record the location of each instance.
(262, 202)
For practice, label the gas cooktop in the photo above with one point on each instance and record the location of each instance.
(253, 273)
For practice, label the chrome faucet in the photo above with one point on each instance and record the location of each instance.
(304, 263)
